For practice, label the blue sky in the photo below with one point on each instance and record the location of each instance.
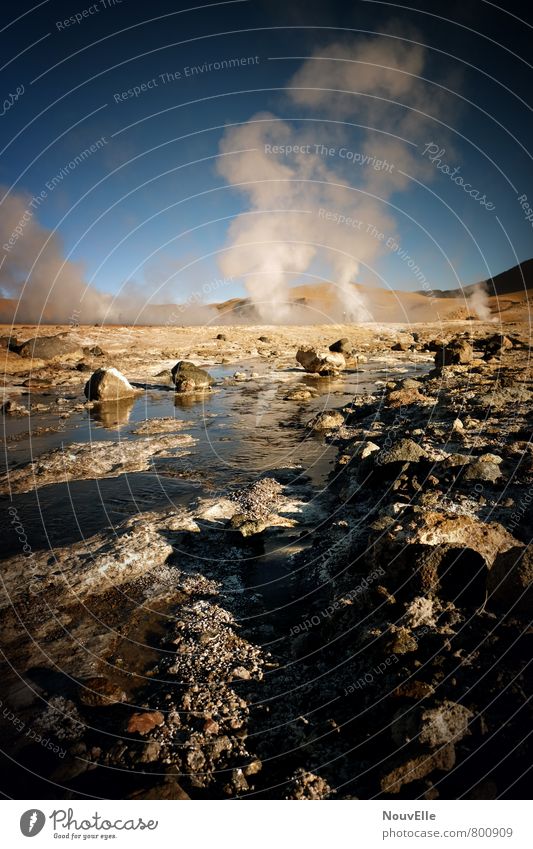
(152, 200)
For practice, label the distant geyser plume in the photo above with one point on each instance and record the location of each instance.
(34, 272)
(318, 188)
(39, 285)
(479, 304)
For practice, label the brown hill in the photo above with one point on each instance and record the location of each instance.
(518, 279)
(507, 295)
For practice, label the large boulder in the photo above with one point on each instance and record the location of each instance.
(320, 362)
(48, 347)
(434, 553)
(108, 384)
(457, 353)
(190, 378)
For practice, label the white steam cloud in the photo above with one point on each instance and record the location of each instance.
(479, 303)
(313, 196)
(38, 285)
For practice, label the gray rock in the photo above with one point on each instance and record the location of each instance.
(433, 727)
(457, 352)
(95, 351)
(9, 343)
(10, 407)
(190, 378)
(481, 470)
(320, 362)
(329, 420)
(341, 346)
(108, 384)
(48, 347)
(403, 451)
(409, 383)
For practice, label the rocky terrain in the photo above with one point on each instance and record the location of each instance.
(271, 637)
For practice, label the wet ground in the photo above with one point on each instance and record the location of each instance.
(238, 596)
(243, 430)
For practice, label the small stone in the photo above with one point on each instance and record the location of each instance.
(150, 753)
(320, 362)
(481, 470)
(402, 641)
(402, 451)
(298, 395)
(329, 420)
(307, 785)
(241, 673)
(253, 767)
(168, 790)
(195, 760)
(490, 458)
(239, 781)
(341, 346)
(13, 409)
(414, 690)
(142, 723)
(416, 768)
(453, 460)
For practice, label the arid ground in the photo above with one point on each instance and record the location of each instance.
(286, 586)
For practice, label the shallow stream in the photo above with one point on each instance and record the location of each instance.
(243, 430)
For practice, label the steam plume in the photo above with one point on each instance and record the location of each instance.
(302, 204)
(479, 303)
(40, 285)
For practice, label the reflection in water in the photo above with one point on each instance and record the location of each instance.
(111, 414)
(242, 430)
(190, 399)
